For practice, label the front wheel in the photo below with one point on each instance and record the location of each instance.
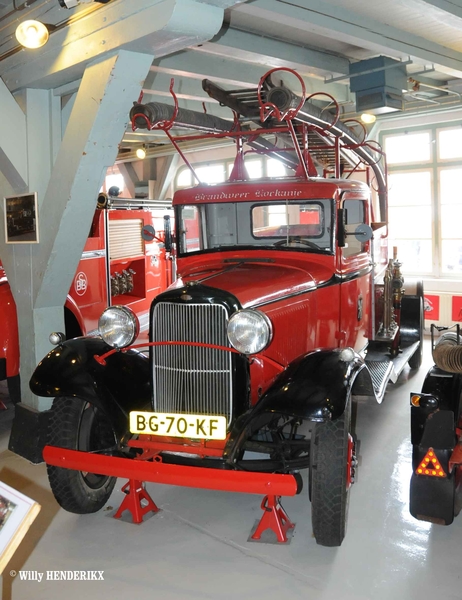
(78, 425)
(332, 461)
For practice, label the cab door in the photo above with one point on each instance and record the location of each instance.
(355, 268)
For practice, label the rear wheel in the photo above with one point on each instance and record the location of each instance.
(78, 425)
(332, 461)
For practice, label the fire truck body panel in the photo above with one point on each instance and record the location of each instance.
(9, 343)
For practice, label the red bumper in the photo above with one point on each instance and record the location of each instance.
(159, 472)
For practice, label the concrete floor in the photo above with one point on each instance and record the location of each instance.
(196, 547)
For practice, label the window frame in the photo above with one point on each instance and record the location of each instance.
(410, 131)
(437, 143)
(434, 166)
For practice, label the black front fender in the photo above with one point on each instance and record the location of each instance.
(70, 370)
(314, 387)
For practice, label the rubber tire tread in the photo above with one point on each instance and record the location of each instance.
(329, 496)
(68, 486)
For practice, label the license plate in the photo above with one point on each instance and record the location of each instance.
(178, 425)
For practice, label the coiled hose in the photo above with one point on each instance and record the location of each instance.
(447, 353)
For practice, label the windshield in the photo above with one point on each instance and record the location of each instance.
(305, 225)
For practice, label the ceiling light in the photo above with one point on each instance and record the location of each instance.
(368, 118)
(74, 3)
(32, 34)
(141, 153)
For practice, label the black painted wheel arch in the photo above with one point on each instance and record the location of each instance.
(70, 370)
(315, 387)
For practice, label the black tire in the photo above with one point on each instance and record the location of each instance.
(416, 359)
(78, 425)
(329, 493)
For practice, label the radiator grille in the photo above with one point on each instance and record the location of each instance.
(125, 239)
(191, 379)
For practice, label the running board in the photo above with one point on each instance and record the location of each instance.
(402, 359)
(381, 373)
(384, 369)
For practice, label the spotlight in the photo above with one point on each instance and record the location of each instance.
(74, 3)
(141, 153)
(368, 118)
(32, 34)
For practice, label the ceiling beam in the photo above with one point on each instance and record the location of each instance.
(325, 19)
(195, 66)
(445, 7)
(256, 49)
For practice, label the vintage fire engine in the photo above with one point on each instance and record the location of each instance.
(124, 262)
(436, 433)
(286, 309)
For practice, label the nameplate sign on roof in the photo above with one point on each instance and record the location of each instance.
(258, 193)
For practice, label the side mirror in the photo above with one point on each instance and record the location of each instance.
(363, 233)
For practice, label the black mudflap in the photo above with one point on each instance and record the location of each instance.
(432, 496)
(432, 499)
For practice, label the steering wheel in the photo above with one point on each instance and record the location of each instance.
(298, 240)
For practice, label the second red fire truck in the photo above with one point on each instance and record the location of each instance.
(126, 261)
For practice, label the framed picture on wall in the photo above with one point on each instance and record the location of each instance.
(17, 513)
(21, 219)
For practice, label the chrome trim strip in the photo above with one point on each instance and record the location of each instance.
(93, 254)
(93, 333)
(336, 279)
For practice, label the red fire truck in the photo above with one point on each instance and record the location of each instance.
(286, 309)
(126, 261)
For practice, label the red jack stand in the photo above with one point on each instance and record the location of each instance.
(275, 518)
(135, 493)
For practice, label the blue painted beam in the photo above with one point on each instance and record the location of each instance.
(89, 146)
(13, 159)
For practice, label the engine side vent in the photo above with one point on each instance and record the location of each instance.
(125, 239)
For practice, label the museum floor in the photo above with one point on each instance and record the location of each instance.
(196, 547)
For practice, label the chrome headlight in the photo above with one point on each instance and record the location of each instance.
(249, 331)
(118, 326)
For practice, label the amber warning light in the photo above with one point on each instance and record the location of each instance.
(430, 465)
